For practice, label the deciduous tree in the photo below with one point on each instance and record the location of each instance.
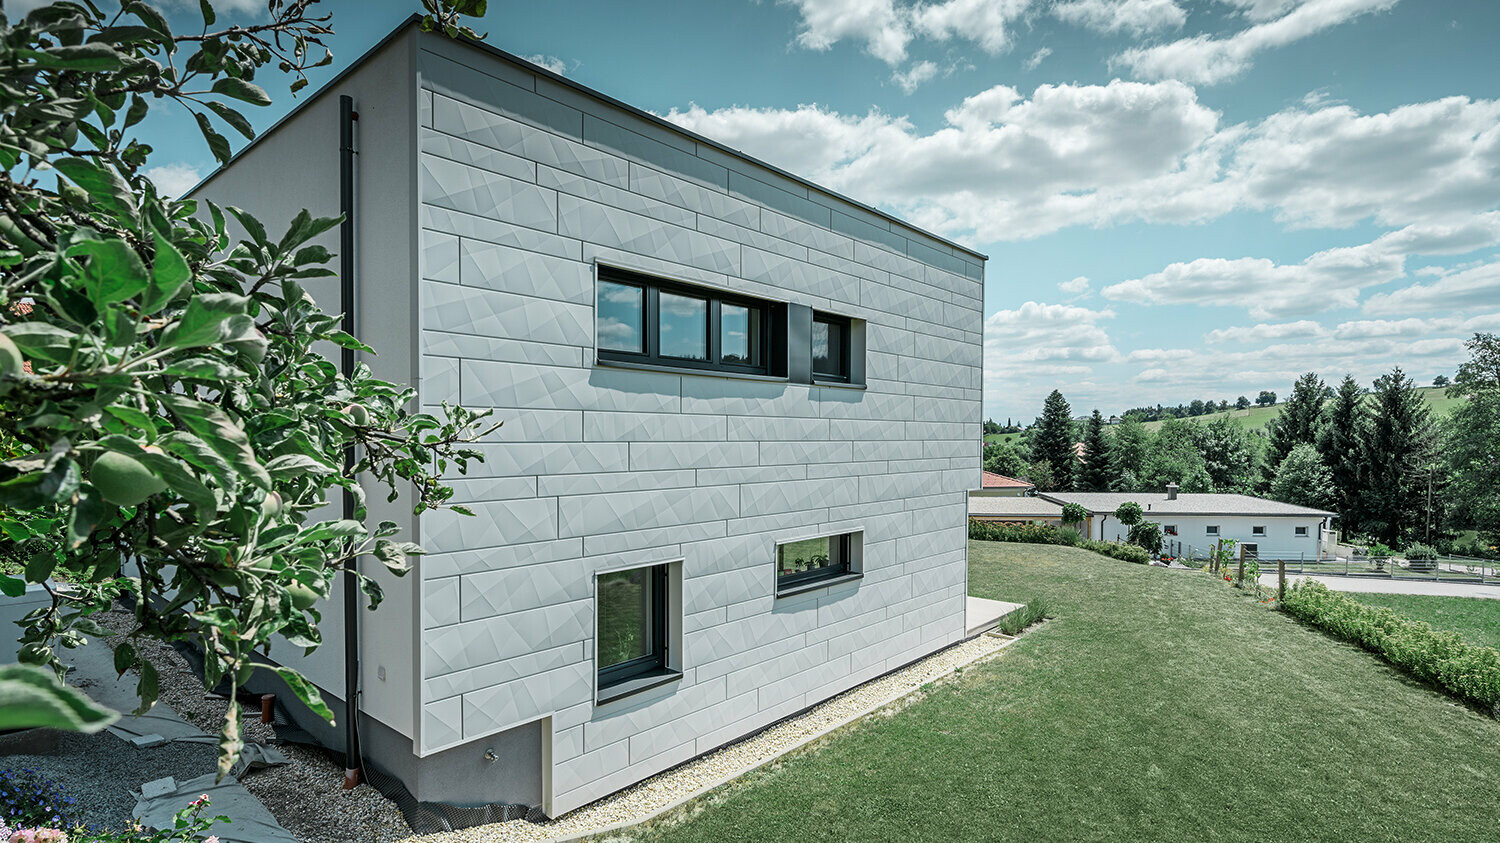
(1302, 479)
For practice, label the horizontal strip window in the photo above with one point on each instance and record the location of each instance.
(801, 564)
(652, 321)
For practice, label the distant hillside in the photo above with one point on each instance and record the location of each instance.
(1256, 418)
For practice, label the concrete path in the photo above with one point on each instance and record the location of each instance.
(1382, 585)
(982, 614)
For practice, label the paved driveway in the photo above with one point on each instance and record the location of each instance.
(1380, 585)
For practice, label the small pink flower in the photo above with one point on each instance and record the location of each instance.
(212, 838)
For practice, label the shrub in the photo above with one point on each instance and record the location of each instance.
(1146, 534)
(1380, 551)
(1115, 550)
(1129, 513)
(1074, 513)
(1069, 536)
(1441, 658)
(1047, 534)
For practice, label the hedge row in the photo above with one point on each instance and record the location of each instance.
(1442, 658)
(991, 531)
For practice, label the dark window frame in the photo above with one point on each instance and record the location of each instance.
(654, 662)
(652, 288)
(1258, 530)
(802, 580)
(845, 349)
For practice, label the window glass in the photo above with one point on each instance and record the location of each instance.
(829, 348)
(621, 317)
(626, 617)
(739, 334)
(1301, 531)
(684, 327)
(1258, 531)
(1213, 531)
(809, 560)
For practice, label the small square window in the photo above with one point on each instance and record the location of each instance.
(1213, 530)
(1301, 531)
(1169, 530)
(1257, 531)
(830, 348)
(807, 562)
(632, 624)
(1252, 550)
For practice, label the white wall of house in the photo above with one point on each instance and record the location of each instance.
(525, 187)
(1279, 539)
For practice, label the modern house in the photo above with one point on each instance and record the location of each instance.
(992, 484)
(742, 416)
(1192, 523)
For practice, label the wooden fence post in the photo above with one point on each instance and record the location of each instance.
(1240, 577)
(1281, 580)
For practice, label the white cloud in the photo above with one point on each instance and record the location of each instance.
(552, 63)
(1207, 60)
(985, 22)
(1265, 332)
(1037, 58)
(174, 179)
(1331, 167)
(1030, 348)
(881, 27)
(915, 76)
(1136, 17)
(1075, 286)
(1328, 279)
(1260, 10)
(1470, 288)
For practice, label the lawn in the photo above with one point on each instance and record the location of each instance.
(1475, 618)
(1157, 705)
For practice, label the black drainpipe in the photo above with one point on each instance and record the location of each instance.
(352, 760)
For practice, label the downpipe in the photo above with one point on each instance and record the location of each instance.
(353, 760)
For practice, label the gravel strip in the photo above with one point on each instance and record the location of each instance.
(99, 771)
(307, 796)
(644, 800)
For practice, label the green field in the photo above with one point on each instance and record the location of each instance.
(1256, 418)
(1475, 618)
(1156, 705)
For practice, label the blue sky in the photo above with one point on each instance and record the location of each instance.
(1180, 198)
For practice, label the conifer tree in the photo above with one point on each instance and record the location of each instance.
(1397, 451)
(1052, 440)
(1341, 445)
(1298, 422)
(1096, 472)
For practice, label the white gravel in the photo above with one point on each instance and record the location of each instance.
(662, 792)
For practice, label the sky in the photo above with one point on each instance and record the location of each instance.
(1180, 198)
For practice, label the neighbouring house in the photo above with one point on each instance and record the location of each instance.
(998, 485)
(1003, 509)
(1192, 523)
(742, 416)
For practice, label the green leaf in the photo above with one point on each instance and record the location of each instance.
(153, 20)
(204, 320)
(39, 566)
(222, 434)
(41, 340)
(133, 417)
(306, 692)
(108, 190)
(251, 225)
(203, 368)
(169, 271)
(217, 143)
(114, 271)
(124, 657)
(242, 90)
(197, 453)
(293, 465)
(207, 8)
(149, 687)
(181, 481)
(32, 697)
(235, 119)
(12, 586)
(89, 58)
(230, 744)
(325, 530)
(86, 514)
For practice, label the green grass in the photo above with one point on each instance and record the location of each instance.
(1156, 705)
(1475, 618)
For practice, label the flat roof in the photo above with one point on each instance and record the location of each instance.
(642, 114)
(1187, 503)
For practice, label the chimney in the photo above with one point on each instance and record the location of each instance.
(1171, 491)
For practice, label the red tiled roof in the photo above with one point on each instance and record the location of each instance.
(1000, 481)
